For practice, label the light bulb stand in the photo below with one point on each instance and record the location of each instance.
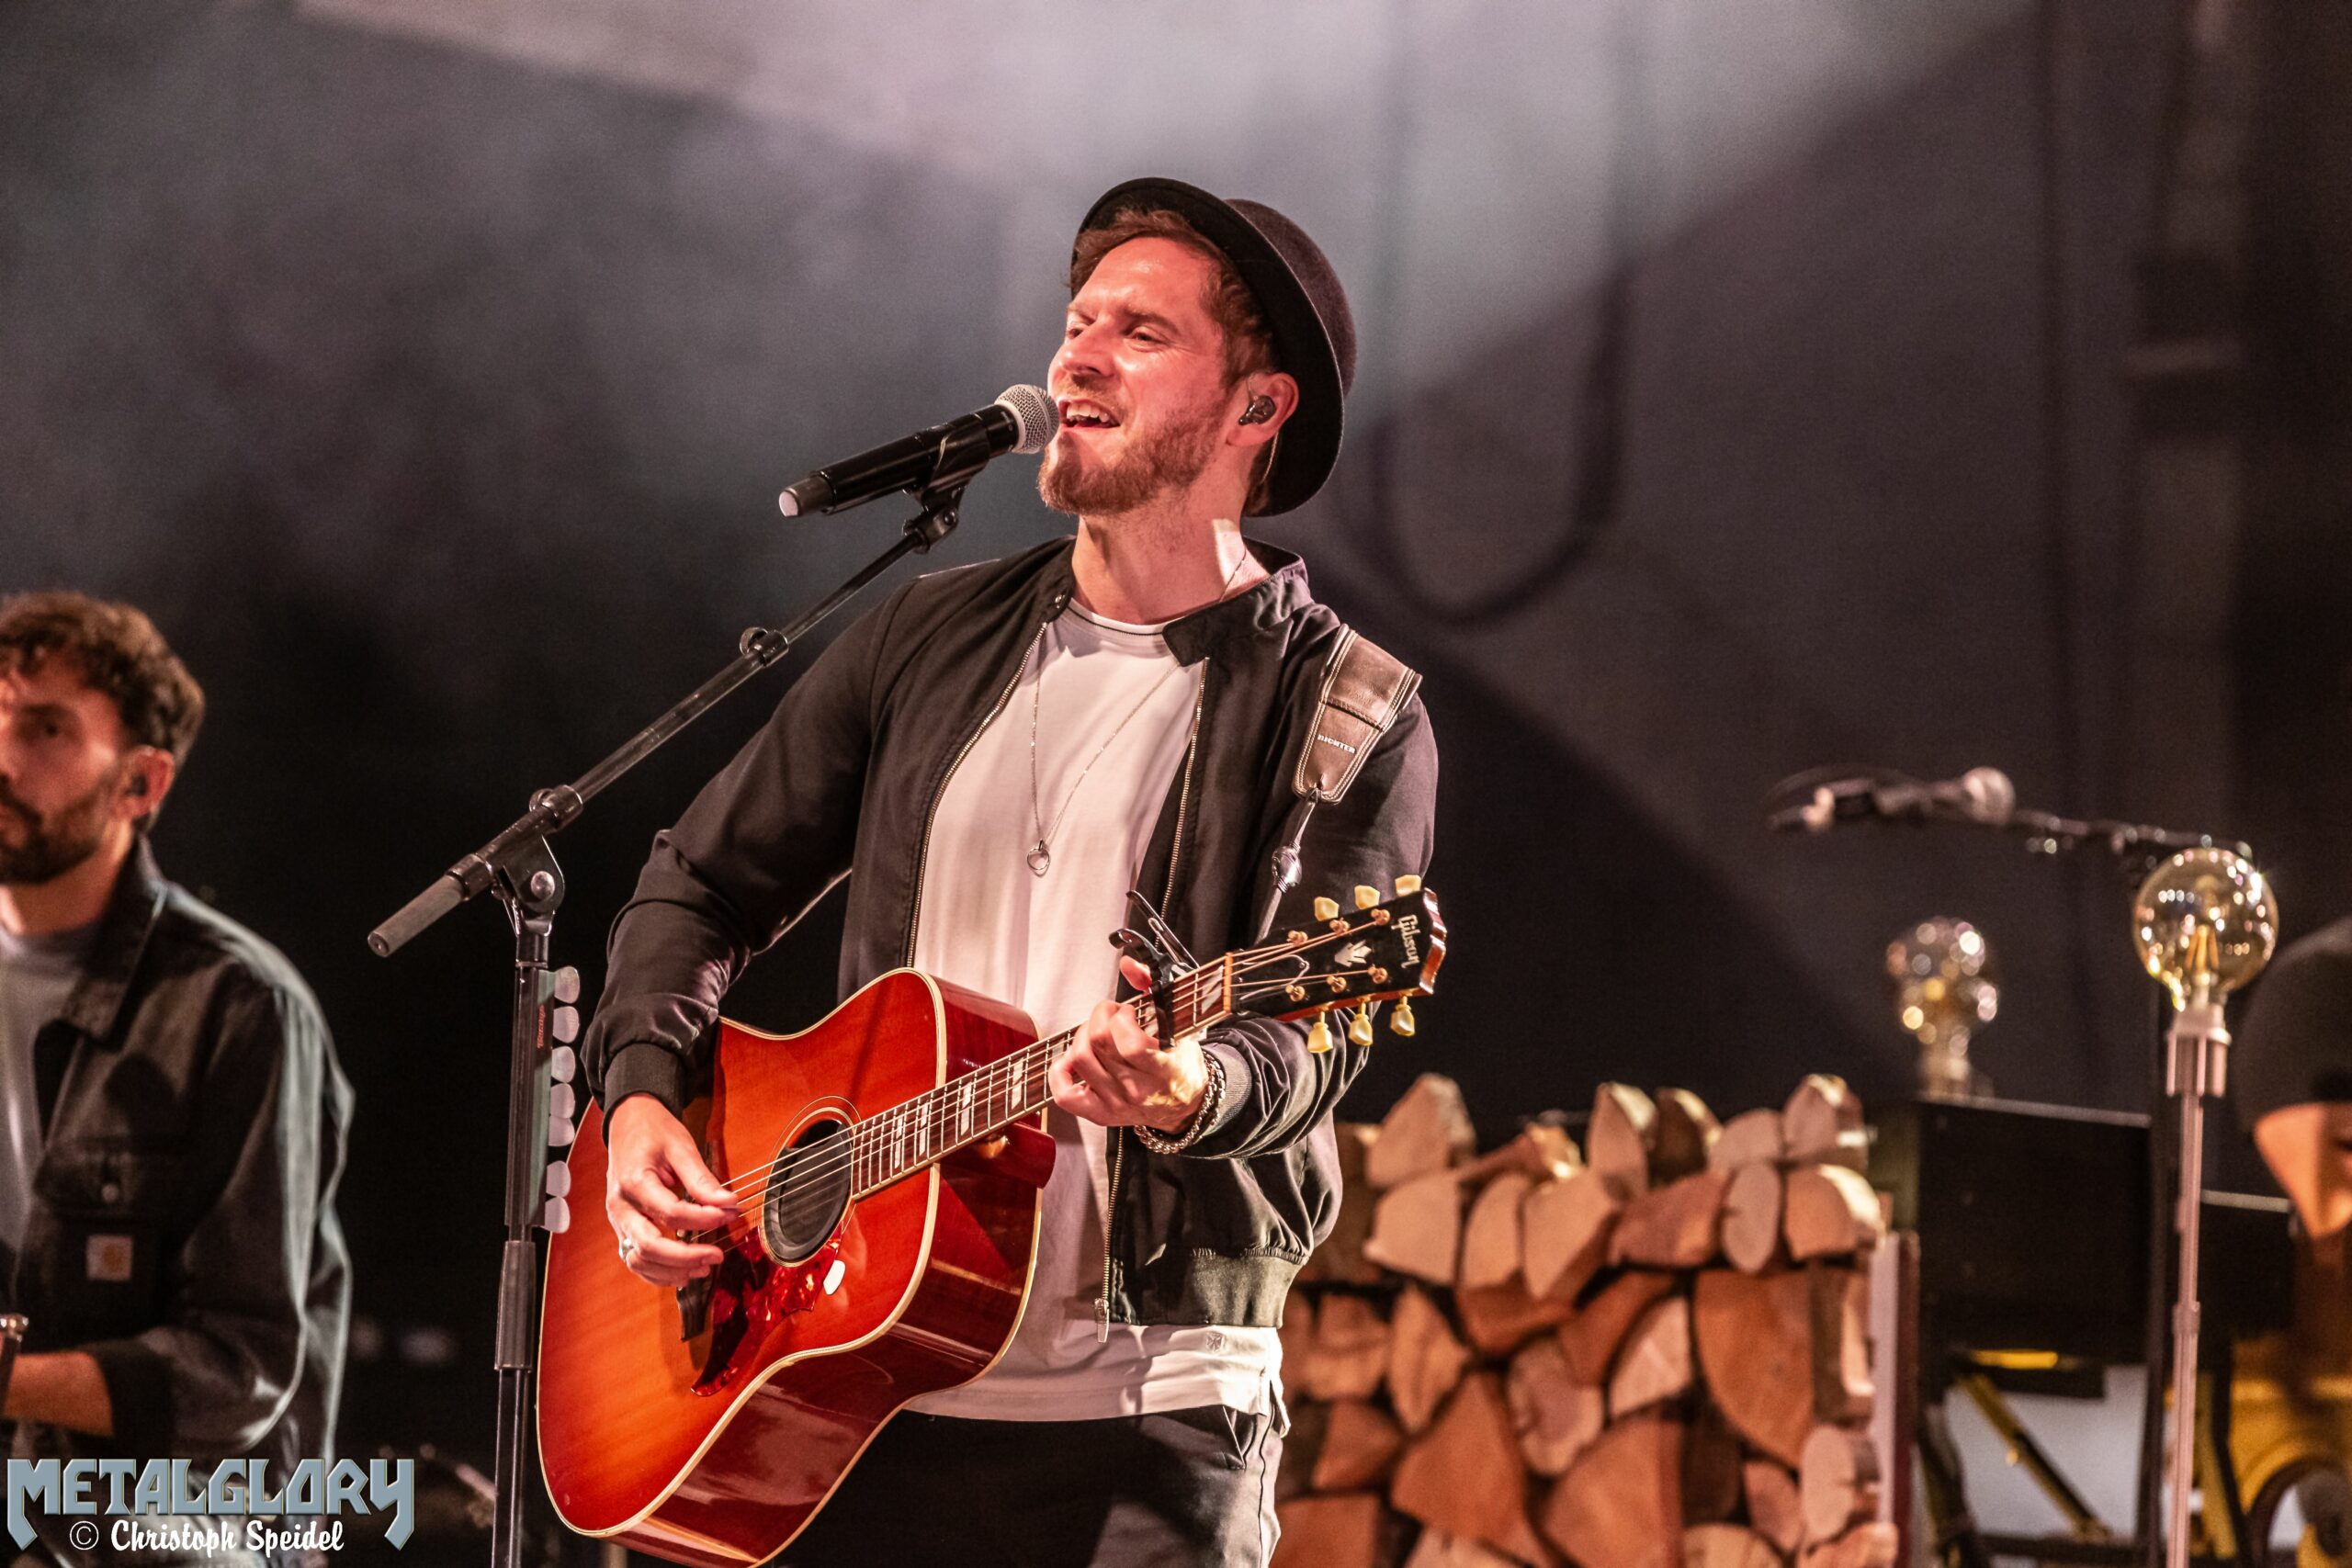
(2196, 1068)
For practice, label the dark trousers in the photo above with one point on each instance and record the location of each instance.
(1187, 1489)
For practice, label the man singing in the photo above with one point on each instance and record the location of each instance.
(1001, 753)
(172, 1115)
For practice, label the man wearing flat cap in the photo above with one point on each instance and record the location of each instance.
(1001, 753)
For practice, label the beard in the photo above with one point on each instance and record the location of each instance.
(1161, 460)
(55, 845)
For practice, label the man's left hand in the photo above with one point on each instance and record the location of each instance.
(1117, 1074)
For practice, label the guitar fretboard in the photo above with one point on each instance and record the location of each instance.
(918, 1132)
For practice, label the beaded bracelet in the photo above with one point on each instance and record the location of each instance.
(1212, 1102)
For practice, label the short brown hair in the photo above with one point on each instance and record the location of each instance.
(119, 653)
(1248, 342)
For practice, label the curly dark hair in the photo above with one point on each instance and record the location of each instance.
(117, 653)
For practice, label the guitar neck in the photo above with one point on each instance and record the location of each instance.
(983, 1102)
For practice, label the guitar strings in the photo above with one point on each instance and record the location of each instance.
(878, 1134)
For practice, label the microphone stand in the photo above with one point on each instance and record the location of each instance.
(517, 868)
(2185, 1069)
(2137, 849)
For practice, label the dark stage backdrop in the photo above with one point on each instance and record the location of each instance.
(1740, 394)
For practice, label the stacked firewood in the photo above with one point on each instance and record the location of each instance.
(1651, 1352)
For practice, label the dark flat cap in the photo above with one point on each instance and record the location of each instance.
(1305, 308)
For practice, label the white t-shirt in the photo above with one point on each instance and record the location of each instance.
(988, 923)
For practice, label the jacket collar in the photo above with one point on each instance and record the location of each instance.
(1218, 627)
(123, 931)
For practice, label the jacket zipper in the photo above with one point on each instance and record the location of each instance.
(1168, 895)
(930, 810)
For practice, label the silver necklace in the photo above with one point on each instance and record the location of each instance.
(1040, 856)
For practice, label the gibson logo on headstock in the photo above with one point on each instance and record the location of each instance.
(1405, 928)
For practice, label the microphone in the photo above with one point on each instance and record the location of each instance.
(1022, 419)
(1985, 797)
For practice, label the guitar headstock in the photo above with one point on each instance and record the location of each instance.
(1354, 957)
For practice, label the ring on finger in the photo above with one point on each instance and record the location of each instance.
(629, 1249)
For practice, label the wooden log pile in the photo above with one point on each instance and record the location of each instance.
(1649, 1352)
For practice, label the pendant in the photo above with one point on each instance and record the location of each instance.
(1040, 858)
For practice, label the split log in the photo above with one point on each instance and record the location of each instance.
(1865, 1546)
(1540, 1151)
(1321, 1532)
(1823, 1122)
(1726, 1546)
(1750, 1138)
(1755, 1340)
(1620, 1503)
(1654, 1364)
(1710, 1464)
(1360, 1446)
(1350, 1351)
(1617, 1144)
(1836, 1481)
(1686, 1131)
(1463, 1475)
(1674, 1227)
(1417, 1227)
(1429, 1130)
(1498, 1319)
(1340, 1259)
(1297, 1331)
(1564, 1231)
(1425, 1361)
(1556, 1418)
(1773, 1507)
(1438, 1550)
(1830, 1211)
(1490, 1244)
(1842, 1389)
(1301, 1448)
(1752, 1217)
(1589, 1339)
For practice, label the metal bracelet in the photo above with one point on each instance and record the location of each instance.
(1212, 1102)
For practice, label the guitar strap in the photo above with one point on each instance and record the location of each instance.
(1364, 688)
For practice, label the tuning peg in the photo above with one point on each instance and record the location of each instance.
(1401, 1017)
(1318, 1037)
(1407, 886)
(1326, 908)
(1366, 895)
(1359, 1030)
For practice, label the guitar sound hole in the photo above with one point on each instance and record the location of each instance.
(807, 1193)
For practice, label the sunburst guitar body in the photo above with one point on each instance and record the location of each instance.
(891, 1162)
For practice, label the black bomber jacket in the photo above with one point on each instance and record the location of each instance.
(847, 774)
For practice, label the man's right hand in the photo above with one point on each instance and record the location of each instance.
(657, 1190)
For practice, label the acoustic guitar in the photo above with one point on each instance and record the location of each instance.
(891, 1162)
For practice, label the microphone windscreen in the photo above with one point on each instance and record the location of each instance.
(1034, 413)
